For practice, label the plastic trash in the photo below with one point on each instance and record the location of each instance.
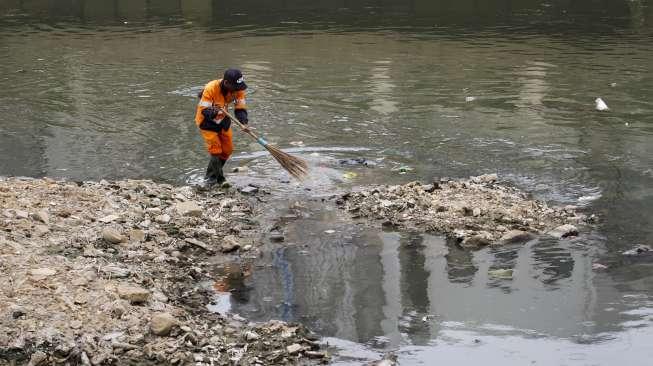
(600, 105)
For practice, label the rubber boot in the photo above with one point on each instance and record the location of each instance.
(221, 179)
(213, 171)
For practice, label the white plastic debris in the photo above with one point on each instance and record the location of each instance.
(470, 99)
(600, 105)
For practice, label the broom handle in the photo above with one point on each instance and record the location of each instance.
(242, 127)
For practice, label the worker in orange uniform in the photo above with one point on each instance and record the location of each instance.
(214, 125)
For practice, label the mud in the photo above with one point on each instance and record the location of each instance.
(109, 273)
(474, 212)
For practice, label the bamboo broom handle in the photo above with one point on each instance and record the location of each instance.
(241, 125)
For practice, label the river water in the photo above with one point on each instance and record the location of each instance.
(420, 89)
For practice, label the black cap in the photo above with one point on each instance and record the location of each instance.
(235, 78)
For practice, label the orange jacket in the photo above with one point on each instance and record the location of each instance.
(213, 96)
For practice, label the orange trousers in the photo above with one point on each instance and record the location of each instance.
(219, 144)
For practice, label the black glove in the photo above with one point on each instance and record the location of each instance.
(241, 115)
(210, 112)
(209, 124)
(225, 123)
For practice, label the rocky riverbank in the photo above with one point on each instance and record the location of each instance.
(114, 273)
(475, 212)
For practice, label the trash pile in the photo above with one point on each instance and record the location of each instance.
(475, 212)
(108, 273)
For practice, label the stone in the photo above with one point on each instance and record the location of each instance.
(42, 216)
(293, 348)
(485, 178)
(137, 235)
(229, 244)
(197, 243)
(564, 231)
(119, 307)
(475, 241)
(189, 208)
(251, 336)
(516, 236)
(162, 219)
(42, 273)
(133, 294)
(247, 248)
(162, 323)
(40, 230)
(76, 324)
(276, 236)
(476, 212)
(639, 250)
(115, 271)
(109, 218)
(240, 169)
(316, 354)
(20, 214)
(38, 358)
(248, 190)
(112, 235)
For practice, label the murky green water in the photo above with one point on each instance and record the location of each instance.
(105, 89)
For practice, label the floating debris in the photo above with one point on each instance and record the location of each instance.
(600, 105)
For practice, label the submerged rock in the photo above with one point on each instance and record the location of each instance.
(564, 231)
(516, 236)
(640, 250)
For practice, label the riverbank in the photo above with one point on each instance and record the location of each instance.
(117, 272)
(102, 273)
(474, 212)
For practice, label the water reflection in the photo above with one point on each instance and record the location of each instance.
(395, 288)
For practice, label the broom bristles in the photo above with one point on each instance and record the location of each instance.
(295, 166)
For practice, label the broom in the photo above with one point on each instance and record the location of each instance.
(295, 166)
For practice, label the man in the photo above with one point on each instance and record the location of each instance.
(215, 126)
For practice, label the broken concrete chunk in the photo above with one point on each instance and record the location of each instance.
(133, 294)
(189, 208)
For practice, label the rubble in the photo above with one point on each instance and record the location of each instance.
(475, 212)
(107, 273)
